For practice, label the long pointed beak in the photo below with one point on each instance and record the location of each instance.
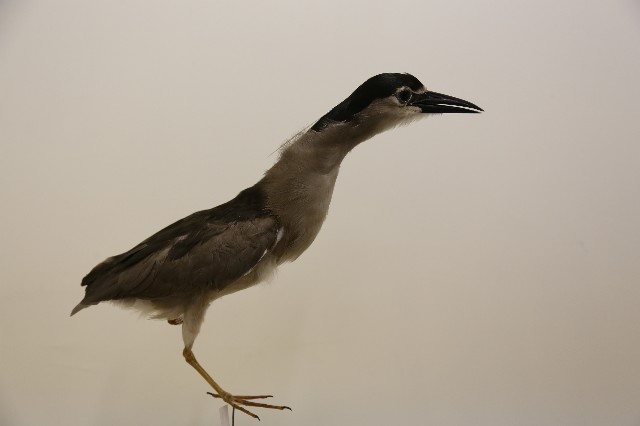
(438, 103)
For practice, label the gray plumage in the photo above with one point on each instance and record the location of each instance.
(176, 273)
(202, 252)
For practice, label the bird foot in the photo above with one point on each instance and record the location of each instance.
(237, 401)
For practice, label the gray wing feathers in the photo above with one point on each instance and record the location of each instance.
(210, 257)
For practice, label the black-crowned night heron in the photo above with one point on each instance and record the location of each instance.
(176, 273)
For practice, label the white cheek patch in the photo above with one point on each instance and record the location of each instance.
(411, 117)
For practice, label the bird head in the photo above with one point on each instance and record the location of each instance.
(387, 100)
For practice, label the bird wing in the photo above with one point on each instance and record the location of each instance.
(207, 250)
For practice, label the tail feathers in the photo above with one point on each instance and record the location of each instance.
(78, 308)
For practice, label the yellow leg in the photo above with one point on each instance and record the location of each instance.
(234, 401)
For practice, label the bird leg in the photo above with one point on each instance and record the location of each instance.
(234, 401)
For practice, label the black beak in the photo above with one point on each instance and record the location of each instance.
(438, 103)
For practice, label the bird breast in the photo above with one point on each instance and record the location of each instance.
(302, 208)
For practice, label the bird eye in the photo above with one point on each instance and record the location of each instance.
(404, 96)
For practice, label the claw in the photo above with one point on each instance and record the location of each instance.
(215, 395)
(257, 404)
(252, 396)
(238, 401)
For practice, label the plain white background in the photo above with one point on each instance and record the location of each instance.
(475, 270)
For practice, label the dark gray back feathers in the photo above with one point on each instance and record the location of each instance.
(207, 249)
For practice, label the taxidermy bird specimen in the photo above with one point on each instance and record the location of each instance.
(176, 273)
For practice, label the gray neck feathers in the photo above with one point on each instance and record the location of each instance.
(300, 184)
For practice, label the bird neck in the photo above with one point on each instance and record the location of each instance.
(300, 185)
(321, 152)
